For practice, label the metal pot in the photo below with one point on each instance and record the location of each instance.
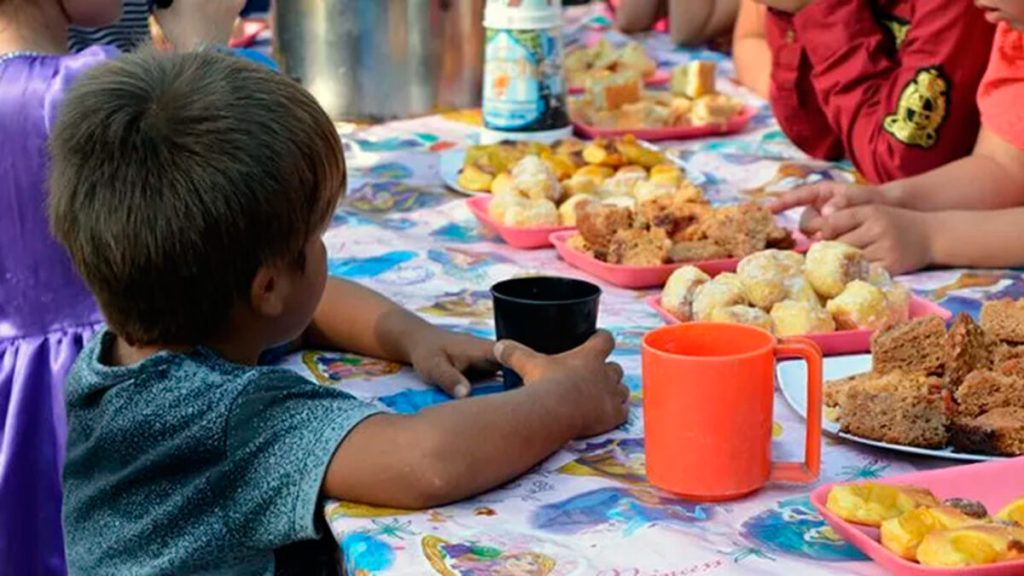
(383, 59)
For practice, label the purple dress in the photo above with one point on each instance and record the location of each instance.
(46, 315)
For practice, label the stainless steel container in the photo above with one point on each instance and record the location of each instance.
(383, 59)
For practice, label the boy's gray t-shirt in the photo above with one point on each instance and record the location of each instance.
(186, 463)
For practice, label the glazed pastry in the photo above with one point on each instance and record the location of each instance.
(830, 266)
(500, 205)
(747, 315)
(535, 179)
(722, 291)
(800, 290)
(860, 306)
(795, 318)
(531, 213)
(680, 289)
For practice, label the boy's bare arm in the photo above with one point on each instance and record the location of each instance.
(458, 449)
(977, 239)
(697, 21)
(992, 177)
(359, 320)
(637, 15)
(751, 53)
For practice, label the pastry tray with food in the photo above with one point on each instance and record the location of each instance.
(526, 237)
(958, 521)
(832, 296)
(479, 169)
(538, 195)
(640, 244)
(584, 62)
(616, 103)
(955, 392)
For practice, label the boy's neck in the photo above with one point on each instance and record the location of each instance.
(33, 26)
(238, 350)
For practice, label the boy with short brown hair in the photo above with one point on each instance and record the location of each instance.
(191, 191)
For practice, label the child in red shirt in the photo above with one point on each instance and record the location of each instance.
(884, 83)
(967, 213)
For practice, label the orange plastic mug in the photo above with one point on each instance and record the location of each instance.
(708, 395)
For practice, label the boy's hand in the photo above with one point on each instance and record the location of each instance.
(790, 6)
(898, 239)
(594, 385)
(189, 24)
(826, 198)
(444, 359)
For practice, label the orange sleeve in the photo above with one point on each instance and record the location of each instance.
(1002, 90)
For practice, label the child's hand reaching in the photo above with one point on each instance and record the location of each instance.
(900, 240)
(445, 358)
(824, 199)
(597, 393)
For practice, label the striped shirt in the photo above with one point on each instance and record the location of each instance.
(131, 31)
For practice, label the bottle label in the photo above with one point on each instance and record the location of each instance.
(524, 86)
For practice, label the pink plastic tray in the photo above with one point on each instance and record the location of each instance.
(641, 276)
(526, 238)
(837, 343)
(995, 484)
(737, 123)
(659, 78)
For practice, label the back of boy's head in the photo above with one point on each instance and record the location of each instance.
(176, 177)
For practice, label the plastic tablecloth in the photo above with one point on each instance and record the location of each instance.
(589, 509)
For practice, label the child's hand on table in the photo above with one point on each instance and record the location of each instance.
(600, 398)
(824, 199)
(900, 240)
(445, 358)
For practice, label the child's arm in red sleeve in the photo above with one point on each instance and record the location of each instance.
(794, 102)
(898, 115)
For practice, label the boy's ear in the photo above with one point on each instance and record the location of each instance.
(268, 292)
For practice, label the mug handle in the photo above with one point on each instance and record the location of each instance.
(807, 471)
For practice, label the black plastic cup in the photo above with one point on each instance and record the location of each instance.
(549, 314)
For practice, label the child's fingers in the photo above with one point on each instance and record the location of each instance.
(859, 237)
(843, 222)
(852, 196)
(600, 344)
(805, 196)
(810, 222)
(443, 374)
(516, 356)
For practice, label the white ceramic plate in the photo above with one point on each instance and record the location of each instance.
(452, 160)
(792, 379)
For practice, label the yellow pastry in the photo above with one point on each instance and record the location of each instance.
(830, 266)
(902, 535)
(1013, 512)
(722, 291)
(567, 211)
(860, 306)
(796, 318)
(536, 180)
(747, 315)
(972, 546)
(871, 503)
(531, 213)
(680, 289)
